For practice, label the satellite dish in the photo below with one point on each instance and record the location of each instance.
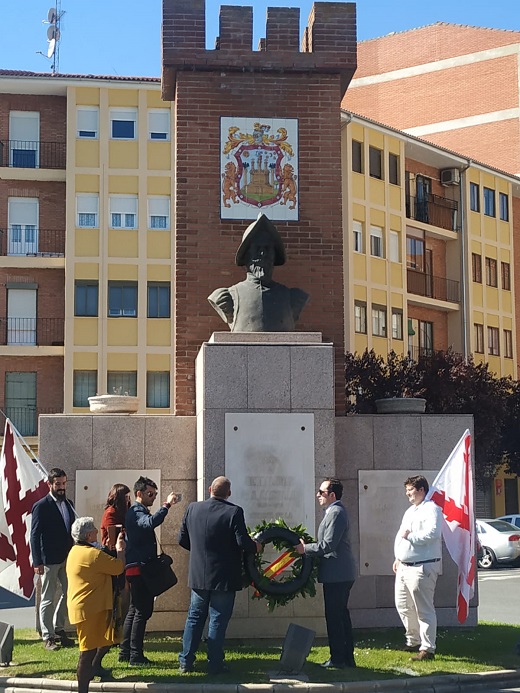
(53, 32)
(52, 16)
(51, 48)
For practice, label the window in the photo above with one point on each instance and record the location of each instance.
(415, 253)
(393, 169)
(122, 299)
(159, 124)
(489, 202)
(86, 298)
(157, 389)
(491, 272)
(22, 235)
(506, 276)
(24, 139)
(87, 207)
(123, 382)
(357, 156)
(479, 338)
(357, 227)
(476, 265)
(158, 299)
(20, 401)
(397, 323)
(360, 317)
(426, 337)
(84, 386)
(21, 314)
(394, 247)
(493, 343)
(87, 122)
(158, 212)
(123, 211)
(379, 321)
(123, 123)
(474, 197)
(376, 241)
(503, 204)
(375, 157)
(508, 344)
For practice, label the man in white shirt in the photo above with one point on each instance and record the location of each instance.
(417, 565)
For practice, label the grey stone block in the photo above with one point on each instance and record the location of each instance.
(363, 593)
(268, 377)
(211, 452)
(118, 442)
(66, 442)
(397, 441)
(354, 445)
(265, 337)
(324, 448)
(171, 445)
(385, 588)
(312, 377)
(440, 434)
(225, 376)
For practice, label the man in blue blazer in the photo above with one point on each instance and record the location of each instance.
(214, 532)
(51, 541)
(337, 572)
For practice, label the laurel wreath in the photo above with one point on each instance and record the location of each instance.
(297, 581)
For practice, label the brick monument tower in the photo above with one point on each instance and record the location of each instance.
(235, 84)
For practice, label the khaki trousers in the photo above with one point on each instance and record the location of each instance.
(414, 593)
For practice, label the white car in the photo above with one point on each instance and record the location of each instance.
(513, 519)
(500, 542)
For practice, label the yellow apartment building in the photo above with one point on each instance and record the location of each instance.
(118, 267)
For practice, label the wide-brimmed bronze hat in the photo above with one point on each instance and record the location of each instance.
(262, 224)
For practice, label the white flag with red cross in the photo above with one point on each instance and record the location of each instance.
(452, 490)
(22, 483)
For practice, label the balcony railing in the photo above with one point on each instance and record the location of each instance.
(419, 353)
(26, 418)
(434, 210)
(31, 154)
(32, 331)
(29, 240)
(439, 288)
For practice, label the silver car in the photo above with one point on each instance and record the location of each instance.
(513, 519)
(500, 542)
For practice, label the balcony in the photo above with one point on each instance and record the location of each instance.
(420, 353)
(32, 331)
(434, 210)
(30, 241)
(31, 154)
(26, 418)
(440, 288)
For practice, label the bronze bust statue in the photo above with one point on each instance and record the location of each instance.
(259, 304)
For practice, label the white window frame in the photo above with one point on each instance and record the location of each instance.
(22, 225)
(394, 247)
(87, 204)
(397, 324)
(379, 321)
(123, 114)
(360, 317)
(357, 230)
(376, 241)
(87, 122)
(159, 131)
(123, 211)
(159, 208)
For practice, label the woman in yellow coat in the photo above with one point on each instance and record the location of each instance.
(90, 598)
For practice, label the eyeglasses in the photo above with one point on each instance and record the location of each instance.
(150, 494)
(323, 493)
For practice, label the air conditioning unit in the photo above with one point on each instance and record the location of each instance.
(450, 176)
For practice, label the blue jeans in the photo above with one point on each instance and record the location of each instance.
(220, 607)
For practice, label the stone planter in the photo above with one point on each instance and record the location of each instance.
(401, 405)
(113, 404)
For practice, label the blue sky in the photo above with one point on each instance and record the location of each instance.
(122, 37)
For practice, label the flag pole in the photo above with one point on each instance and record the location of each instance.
(28, 449)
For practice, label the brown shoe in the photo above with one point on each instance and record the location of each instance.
(422, 655)
(51, 644)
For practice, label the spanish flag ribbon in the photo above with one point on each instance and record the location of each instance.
(279, 564)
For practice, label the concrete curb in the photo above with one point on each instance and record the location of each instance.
(449, 683)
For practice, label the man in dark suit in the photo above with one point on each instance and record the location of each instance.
(215, 534)
(51, 541)
(337, 572)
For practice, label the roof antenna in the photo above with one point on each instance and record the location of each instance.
(53, 36)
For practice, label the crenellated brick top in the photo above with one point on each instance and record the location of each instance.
(328, 44)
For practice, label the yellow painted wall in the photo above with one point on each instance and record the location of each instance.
(123, 154)
(121, 361)
(122, 332)
(123, 243)
(85, 331)
(85, 361)
(86, 242)
(158, 332)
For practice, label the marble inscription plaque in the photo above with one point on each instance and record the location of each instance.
(270, 462)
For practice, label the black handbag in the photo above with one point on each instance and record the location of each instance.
(158, 574)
